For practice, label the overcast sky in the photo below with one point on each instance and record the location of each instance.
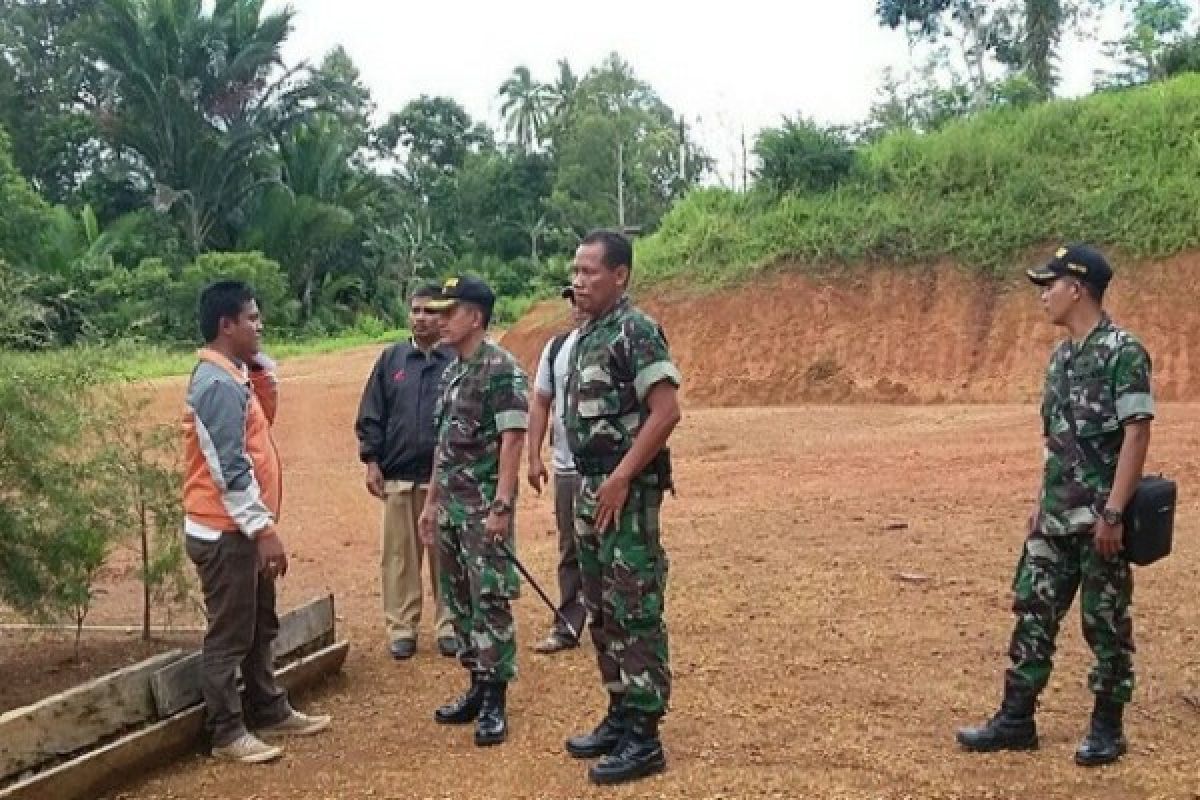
(740, 64)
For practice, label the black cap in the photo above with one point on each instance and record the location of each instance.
(568, 292)
(464, 289)
(1076, 261)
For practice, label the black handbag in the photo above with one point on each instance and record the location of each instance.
(1149, 517)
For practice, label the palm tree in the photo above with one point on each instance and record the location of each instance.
(562, 91)
(193, 99)
(525, 108)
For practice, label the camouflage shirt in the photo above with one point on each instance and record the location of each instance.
(1106, 379)
(616, 361)
(480, 398)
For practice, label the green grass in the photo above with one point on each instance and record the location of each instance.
(1119, 170)
(139, 361)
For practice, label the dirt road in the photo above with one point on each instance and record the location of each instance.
(837, 605)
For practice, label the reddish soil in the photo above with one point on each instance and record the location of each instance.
(906, 336)
(820, 648)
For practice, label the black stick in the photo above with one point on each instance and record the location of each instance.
(549, 604)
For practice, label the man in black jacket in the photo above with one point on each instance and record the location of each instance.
(396, 440)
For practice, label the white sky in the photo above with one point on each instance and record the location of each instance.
(725, 67)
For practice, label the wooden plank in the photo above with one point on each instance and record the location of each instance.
(59, 725)
(301, 631)
(152, 746)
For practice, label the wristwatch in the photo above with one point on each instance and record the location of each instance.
(501, 506)
(1113, 516)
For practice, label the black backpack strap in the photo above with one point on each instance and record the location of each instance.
(556, 345)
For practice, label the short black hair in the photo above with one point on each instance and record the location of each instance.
(1095, 291)
(484, 310)
(618, 249)
(221, 300)
(427, 290)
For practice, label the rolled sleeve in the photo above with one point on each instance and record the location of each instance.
(1135, 407)
(655, 373)
(512, 421)
(1132, 384)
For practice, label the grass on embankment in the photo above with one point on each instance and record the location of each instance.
(1121, 170)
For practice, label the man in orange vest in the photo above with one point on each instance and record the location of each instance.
(231, 496)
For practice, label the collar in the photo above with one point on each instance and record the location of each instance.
(234, 368)
(1103, 325)
(621, 307)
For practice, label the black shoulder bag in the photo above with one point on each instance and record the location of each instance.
(1149, 518)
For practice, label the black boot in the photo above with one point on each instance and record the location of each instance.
(492, 727)
(465, 708)
(1105, 741)
(639, 753)
(602, 740)
(1013, 727)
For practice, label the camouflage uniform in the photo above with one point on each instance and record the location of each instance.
(616, 361)
(481, 398)
(1107, 381)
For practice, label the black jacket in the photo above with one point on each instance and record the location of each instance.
(395, 415)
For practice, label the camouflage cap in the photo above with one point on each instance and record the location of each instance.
(1076, 261)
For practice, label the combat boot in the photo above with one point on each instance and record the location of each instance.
(1012, 728)
(492, 727)
(602, 740)
(639, 752)
(1105, 741)
(465, 709)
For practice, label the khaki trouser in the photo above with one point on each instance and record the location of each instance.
(402, 554)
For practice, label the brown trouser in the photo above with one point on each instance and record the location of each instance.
(570, 579)
(241, 627)
(402, 554)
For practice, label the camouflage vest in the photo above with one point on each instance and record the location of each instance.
(1106, 379)
(616, 360)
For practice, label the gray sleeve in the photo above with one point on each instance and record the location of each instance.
(220, 414)
(543, 382)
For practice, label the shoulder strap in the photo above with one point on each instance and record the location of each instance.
(556, 345)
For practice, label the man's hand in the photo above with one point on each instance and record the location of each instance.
(426, 525)
(272, 561)
(610, 500)
(496, 526)
(537, 475)
(1108, 538)
(375, 480)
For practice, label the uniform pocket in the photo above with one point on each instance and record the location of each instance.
(1093, 405)
(596, 402)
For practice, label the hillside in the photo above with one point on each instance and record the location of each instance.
(935, 334)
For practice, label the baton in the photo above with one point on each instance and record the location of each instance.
(549, 604)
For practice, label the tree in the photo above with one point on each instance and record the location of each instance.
(1155, 27)
(193, 101)
(525, 107)
(1022, 35)
(802, 155)
(46, 92)
(619, 153)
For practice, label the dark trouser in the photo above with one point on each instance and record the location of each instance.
(241, 627)
(1051, 570)
(570, 581)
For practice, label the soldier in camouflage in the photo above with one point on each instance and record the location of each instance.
(481, 420)
(620, 410)
(1096, 411)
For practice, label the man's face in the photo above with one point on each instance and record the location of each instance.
(1059, 297)
(596, 286)
(422, 319)
(244, 332)
(458, 322)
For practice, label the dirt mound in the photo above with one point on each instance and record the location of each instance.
(894, 335)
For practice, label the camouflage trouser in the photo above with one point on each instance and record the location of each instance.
(624, 582)
(1051, 569)
(477, 583)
